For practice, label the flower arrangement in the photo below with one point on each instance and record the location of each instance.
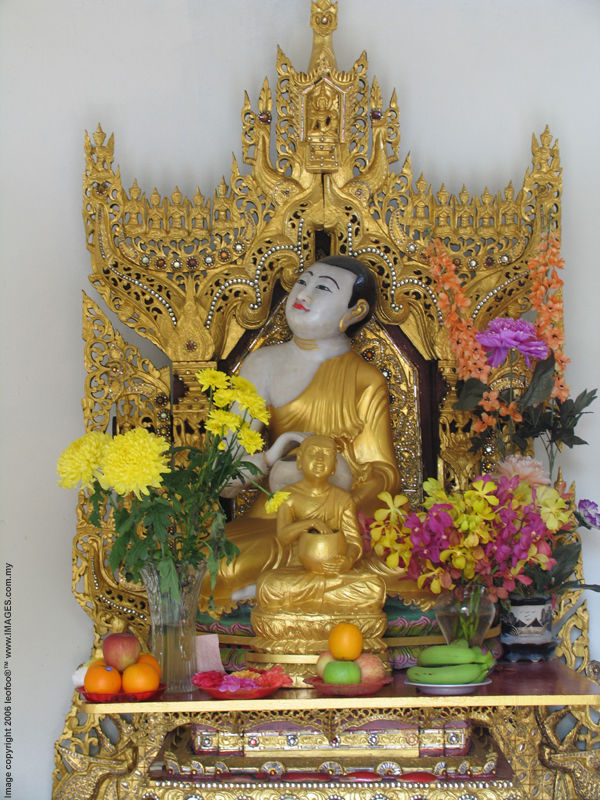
(528, 398)
(165, 499)
(519, 411)
(487, 535)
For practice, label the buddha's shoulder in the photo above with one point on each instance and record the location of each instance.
(367, 374)
(266, 358)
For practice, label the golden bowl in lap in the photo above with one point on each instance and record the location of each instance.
(316, 548)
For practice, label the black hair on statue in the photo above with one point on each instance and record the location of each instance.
(364, 287)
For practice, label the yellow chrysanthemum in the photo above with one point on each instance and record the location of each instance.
(249, 399)
(223, 398)
(82, 459)
(250, 439)
(275, 501)
(134, 462)
(220, 421)
(210, 378)
(242, 384)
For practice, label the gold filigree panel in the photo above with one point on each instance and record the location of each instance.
(120, 381)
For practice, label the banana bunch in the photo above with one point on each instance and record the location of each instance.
(451, 664)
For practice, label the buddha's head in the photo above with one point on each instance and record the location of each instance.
(317, 457)
(336, 295)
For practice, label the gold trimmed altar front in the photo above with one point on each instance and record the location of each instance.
(518, 707)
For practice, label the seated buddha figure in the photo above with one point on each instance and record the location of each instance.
(321, 577)
(320, 544)
(313, 384)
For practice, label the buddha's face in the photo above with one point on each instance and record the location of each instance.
(317, 306)
(317, 458)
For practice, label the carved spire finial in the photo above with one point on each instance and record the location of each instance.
(323, 21)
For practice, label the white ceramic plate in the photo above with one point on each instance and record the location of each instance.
(448, 688)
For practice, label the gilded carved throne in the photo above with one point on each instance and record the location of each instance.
(202, 279)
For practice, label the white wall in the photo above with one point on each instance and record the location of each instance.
(475, 78)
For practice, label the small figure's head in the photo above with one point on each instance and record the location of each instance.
(317, 457)
(335, 295)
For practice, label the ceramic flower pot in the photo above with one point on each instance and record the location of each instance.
(526, 629)
(465, 613)
(173, 625)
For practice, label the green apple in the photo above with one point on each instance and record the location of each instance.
(341, 672)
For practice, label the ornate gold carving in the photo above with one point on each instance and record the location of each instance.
(193, 275)
(119, 381)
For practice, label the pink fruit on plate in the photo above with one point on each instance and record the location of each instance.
(120, 650)
(371, 667)
(322, 662)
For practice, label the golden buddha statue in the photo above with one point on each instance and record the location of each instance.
(321, 578)
(320, 544)
(314, 384)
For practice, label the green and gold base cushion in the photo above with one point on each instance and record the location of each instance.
(408, 628)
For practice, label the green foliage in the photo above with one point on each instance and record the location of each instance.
(179, 522)
(555, 580)
(551, 420)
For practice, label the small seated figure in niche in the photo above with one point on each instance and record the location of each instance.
(314, 384)
(320, 544)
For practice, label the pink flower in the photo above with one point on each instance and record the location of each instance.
(525, 467)
(504, 334)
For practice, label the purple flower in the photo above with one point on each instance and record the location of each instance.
(590, 513)
(504, 334)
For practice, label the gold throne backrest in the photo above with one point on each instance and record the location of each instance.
(201, 277)
(194, 275)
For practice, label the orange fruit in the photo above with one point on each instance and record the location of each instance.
(345, 641)
(148, 658)
(140, 677)
(102, 679)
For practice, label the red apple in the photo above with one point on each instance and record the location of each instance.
(371, 667)
(120, 650)
(322, 662)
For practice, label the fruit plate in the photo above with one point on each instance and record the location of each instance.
(445, 689)
(347, 689)
(121, 697)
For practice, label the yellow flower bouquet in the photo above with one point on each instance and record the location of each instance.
(165, 499)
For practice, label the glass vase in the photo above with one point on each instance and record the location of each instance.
(173, 624)
(465, 613)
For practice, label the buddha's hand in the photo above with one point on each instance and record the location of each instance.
(336, 565)
(318, 526)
